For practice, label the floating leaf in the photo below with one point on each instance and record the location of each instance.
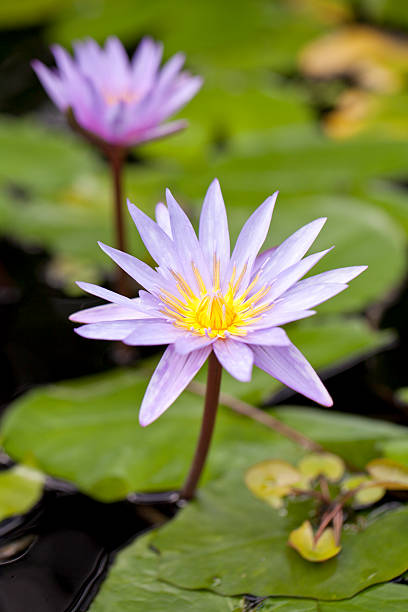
(396, 449)
(229, 533)
(302, 540)
(322, 464)
(27, 12)
(366, 495)
(132, 585)
(386, 597)
(391, 474)
(120, 592)
(355, 437)
(20, 489)
(87, 432)
(272, 479)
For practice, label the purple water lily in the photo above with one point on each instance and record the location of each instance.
(200, 299)
(123, 102)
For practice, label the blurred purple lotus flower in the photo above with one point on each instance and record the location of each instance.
(123, 102)
(200, 299)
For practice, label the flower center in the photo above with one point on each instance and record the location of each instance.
(214, 313)
(128, 97)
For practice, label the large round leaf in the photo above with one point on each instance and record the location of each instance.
(132, 585)
(230, 542)
(87, 432)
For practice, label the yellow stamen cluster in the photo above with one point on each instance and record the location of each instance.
(214, 313)
(124, 96)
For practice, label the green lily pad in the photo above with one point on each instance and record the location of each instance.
(87, 432)
(229, 542)
(302, 540)
(21, 488)
(120, 592)
(396, 450)
(386, 597)
(132, 585)
(322, 464)
(27, 12)
(355, 438)
(254, 26)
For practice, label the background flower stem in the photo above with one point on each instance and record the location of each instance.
(207, 427)
(116, 161)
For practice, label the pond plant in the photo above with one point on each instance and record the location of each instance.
(209, 303)
(117, 103)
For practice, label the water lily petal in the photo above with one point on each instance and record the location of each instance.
(170, 378)
(293, 248)
(279, 316)
(152, 332)
(141, 272)
(338, 275)
(189, 342)
(160, 246)
(153, 133)
(235, 357)
(110, 312)
(250, 240)
(187, 244)
(289, 276)
(105, 294)
(163, 218)
(145, 64)
(214, 234)
(290, 367)
(107, 330)
(52, 84)
(271, 336)
(310, 295)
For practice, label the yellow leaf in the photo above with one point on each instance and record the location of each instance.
(367, 495)
(272, 479)
(322, 464)
(391, 474)
(302, 540)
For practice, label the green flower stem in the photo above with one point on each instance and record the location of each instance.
(207, 427)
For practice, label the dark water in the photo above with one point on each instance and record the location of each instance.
(67, 544)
